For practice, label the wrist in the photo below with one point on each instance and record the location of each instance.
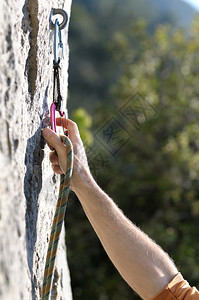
(81, 179)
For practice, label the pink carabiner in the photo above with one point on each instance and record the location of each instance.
(53, 118)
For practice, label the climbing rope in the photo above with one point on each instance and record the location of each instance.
(57, 221)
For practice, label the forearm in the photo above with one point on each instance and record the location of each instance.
(143, 264)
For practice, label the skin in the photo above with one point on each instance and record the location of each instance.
(139, 260)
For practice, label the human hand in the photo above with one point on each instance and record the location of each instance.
(59, 161)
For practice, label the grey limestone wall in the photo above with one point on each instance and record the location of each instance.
(28, 188)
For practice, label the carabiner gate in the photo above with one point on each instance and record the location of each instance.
(58, 44)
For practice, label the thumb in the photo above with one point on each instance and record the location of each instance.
(53, 139)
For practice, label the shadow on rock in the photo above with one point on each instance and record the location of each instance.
(32, 188)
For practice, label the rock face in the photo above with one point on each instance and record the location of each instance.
(28, 188)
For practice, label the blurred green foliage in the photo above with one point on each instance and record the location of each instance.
(154, 177)
(84, 121)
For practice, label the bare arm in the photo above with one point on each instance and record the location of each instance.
(141, 262)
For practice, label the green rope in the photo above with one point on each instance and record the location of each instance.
(57, 222)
